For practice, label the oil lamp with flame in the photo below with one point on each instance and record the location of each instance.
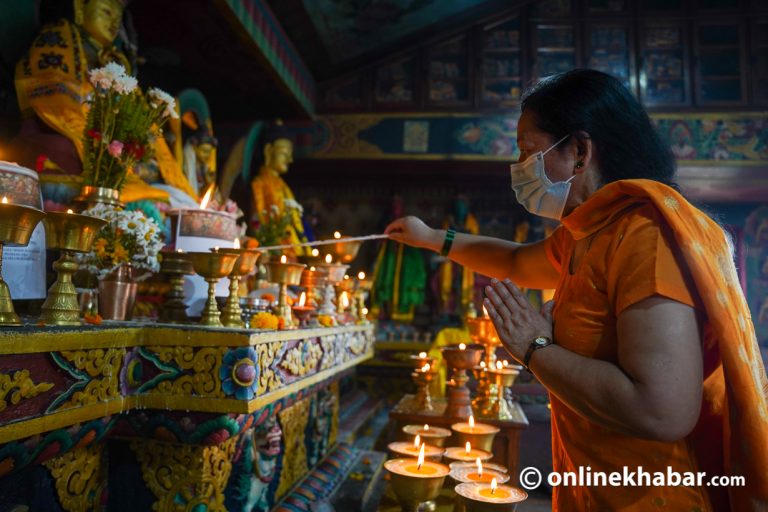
(17, 222)
(415, 481)
(284, 273)
(481, 497)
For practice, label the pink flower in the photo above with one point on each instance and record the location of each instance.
(115, 148)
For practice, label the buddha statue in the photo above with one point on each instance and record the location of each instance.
(272, 195)
(200, 160)
(52, 87)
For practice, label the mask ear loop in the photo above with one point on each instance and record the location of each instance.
(553, 146)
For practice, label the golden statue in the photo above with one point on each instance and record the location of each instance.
(272, 194)
(52, 86)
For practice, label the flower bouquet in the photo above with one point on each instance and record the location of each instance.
(125, 251)
(121, 126)
(272, 229)
(128, 238)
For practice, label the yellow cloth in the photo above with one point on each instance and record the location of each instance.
(472, 227)
(270, 190)
(645, 239)
(52, 81)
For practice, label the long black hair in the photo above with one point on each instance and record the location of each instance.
(627, 144)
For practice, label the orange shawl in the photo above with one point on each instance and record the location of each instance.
(705, 250)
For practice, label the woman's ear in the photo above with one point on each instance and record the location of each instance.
(584, 152)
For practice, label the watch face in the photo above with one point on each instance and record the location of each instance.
(541, 341)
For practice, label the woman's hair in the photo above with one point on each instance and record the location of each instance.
(627, 144)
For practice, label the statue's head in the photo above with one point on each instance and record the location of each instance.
(100, 18)
(278, 155)
(204, 144)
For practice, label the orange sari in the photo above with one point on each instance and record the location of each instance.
(644, 239)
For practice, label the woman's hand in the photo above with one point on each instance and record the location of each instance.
(516, 321)
(412, 231)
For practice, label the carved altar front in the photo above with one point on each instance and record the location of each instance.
(165, 418)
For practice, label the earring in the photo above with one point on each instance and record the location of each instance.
(579, 164)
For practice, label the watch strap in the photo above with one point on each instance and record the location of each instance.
(533, 347)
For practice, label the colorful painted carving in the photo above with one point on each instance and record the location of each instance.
(18, 386)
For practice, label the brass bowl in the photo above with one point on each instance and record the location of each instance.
(483, 331)
(246, 260)
(285, 273)
(176, 263)
(313, 278)
(463, 359)
(213, 265)
(335, 271)
(346, 252)
(71, 231)
(17, 222)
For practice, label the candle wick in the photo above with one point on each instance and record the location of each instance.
(418, 467)
(493, 491)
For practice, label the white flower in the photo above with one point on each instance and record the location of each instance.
(125, 84)
(161, 99)
(113, 75)
(293, 205)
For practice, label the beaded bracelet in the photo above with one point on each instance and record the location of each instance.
(449, 236)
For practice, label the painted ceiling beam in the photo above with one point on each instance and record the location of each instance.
(255, 22)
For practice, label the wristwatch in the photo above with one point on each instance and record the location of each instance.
(536, 344)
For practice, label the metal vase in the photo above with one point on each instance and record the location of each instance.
(117, 294)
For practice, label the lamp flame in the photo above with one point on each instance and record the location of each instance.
(69, 210)
(365, 311)
(236, 243)
(361, 275)
(499, 366)
(485, 311)
(315, 253)
(482, 364)
(346, 277)
(283, 259)
(421, 457)
(422, 355)
(471, 421)
(311, 269)
(468, 448)
(425, 368)
(344, 299)
(417, 441)
(479, 466)
(328, 259)
(336, 235)
(493, 486)
(506, 363)
(207, 197)
(426, 427)
(5, 200)
(462, 346)
(302, 299)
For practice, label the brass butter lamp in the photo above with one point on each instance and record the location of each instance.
(17, 222)
(70, 233)
(175, 265)
(232, 314)
(212, 266)
(284, 273)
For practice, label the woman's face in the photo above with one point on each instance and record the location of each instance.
(560, 162)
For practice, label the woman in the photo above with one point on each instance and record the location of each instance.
(648, 350)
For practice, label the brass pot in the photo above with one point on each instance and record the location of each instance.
(91, 196)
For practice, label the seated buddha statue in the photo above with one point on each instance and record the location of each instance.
(270, 191)
(52, 87)
(200, 160)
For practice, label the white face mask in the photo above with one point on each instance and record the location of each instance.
(535, 191)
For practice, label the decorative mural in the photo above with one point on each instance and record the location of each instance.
(696, 139)
(351, 27)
